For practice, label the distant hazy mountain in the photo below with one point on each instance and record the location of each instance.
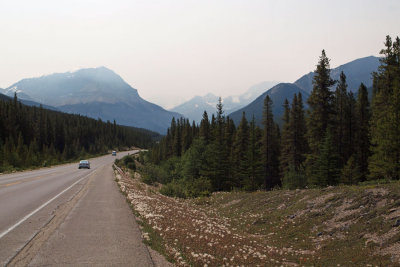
(195, 107)
(25, 102)
(357, 71)
(4, 97)
(278, 94)
(97, 93)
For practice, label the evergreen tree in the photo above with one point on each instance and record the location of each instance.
(351, 173)
(240, 150)
(231, 180)
(326, 166)
(320, 104)
(362, 136)
(320, 113)
(286, 140)
(217, 152)
(177, 139)
(385, 121)
(205, 128)
(294, 145)
(187, 135)
(299, 146)
(254, 175)
(342, 120)
(270, 147)
(293, 178)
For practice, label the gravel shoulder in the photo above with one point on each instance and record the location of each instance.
(97, 229)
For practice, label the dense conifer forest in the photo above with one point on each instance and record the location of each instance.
(340, 139)
(33, 136)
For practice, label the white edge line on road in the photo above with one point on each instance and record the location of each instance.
(41, 207)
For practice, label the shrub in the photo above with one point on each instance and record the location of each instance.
(200, 187)
(131, 165)
(173, 189)
(152, 174)
(294, 178)
(127, 160)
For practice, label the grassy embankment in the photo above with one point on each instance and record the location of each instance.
(346, 225)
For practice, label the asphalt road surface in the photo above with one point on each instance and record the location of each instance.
(66, 216)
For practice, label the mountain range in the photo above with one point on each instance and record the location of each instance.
(194, 108)
(97, 93)
(101, 93)
(357, 72)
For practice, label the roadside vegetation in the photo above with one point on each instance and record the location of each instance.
(341, 139)
(322, 190)
(127, 163)
(345, 225)
(32, 137)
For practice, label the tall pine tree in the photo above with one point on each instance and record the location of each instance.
(385, 122)
(341, 120)
(240, 150)
(320, 113)
(362, 139)
(254, 175)
(286, 139)
(270, 147)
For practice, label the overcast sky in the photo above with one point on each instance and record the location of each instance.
(173, 50)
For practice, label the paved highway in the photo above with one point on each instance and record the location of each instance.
(66, 216)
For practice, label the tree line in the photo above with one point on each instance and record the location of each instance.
(341, 139)
(34, 136)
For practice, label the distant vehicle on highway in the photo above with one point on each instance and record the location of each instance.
(84, 164)
(114, 153)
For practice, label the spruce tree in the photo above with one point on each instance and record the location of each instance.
(177, 139)
(326, 166)
(229, 138)
(362, 135)
(320, 113)
(204, 131)
(270, 147)
(385, 121)
(217, 152)
(320, 103)
(240, 150)
(341, 120)
(287, 138)
(254, 175)
(296, 142)
(299, 146)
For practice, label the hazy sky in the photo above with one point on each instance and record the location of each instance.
(173, 50)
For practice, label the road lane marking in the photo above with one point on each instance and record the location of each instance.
(10, 184)
(35, 178)
(41, 207)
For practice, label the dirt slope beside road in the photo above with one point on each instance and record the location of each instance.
(347, 225)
